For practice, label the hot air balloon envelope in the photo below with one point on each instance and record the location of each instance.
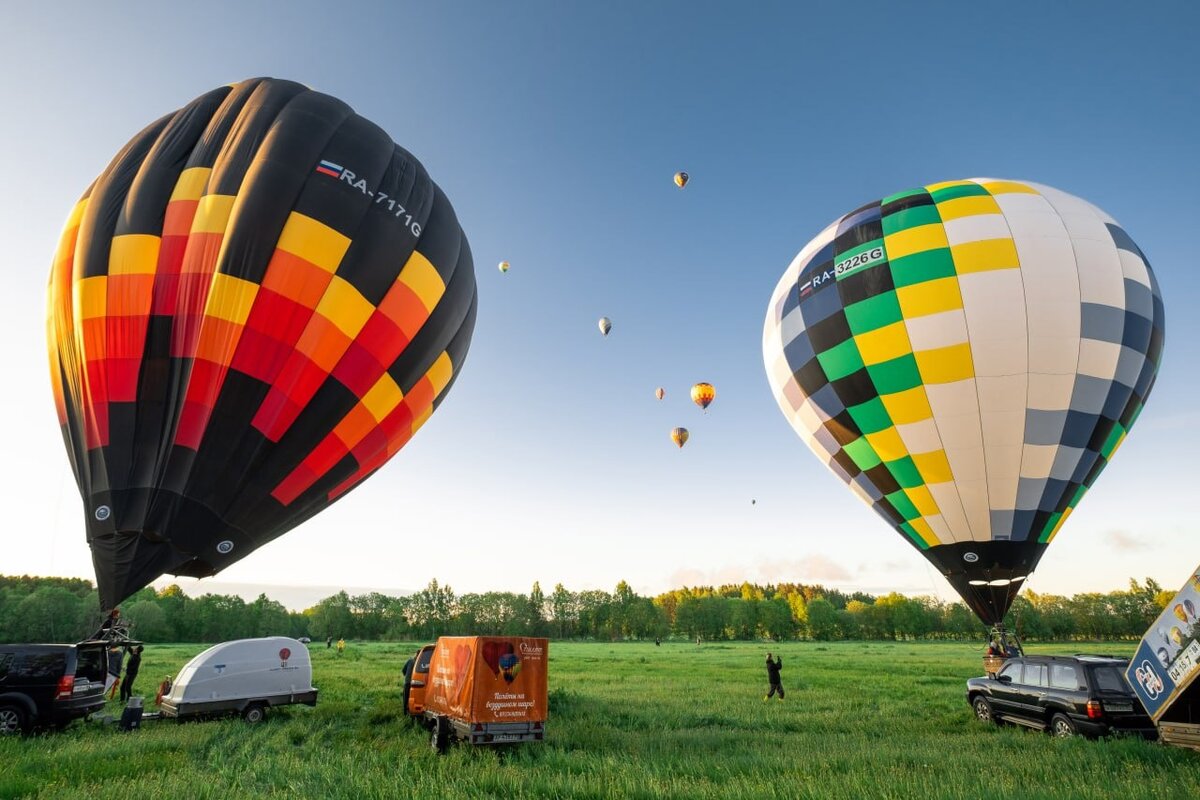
(681, 179)
(679, 436)
(703, 394)
(659, 393)
(255, 305)
(503, 266)
(605, 325)
(967, 357)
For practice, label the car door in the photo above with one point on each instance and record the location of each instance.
(1006, 685)
(1031, 697)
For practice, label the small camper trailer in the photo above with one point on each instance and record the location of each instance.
(245, 676)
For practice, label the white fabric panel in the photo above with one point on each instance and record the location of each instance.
(1100, 275)
(1037, 459)
(937, 330)
(920, 437)
(993, 302)
(974, 497)
(1078, 216)
(976, 228)
(1053, 316)
(1134, 268)
(1098, 359)
(953, 516)
(1049, 391)
(790, 327)
(1030, 215)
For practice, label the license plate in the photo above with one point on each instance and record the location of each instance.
(506, 737)
(1118, 707)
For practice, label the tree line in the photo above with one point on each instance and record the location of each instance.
(67, 609)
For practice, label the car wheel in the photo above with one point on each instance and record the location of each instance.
(439, 740)
(983, 710)
(255, 713)
(1062, 727)
(12, 720)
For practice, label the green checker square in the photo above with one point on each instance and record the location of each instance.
(840, 360)
(871, 416)
(920, 267)
(896, 375)
(911, 218)
(862, 454)
(873, 313)
(964, 190)
(891, 198)
(911, 532)
(1050, 523)
(1110, 443)
(903, 505)
(905, 472)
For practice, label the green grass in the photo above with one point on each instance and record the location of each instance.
(861, 720)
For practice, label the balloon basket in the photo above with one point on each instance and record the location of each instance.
(992, 664)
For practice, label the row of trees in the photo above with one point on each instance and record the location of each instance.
(65, 609)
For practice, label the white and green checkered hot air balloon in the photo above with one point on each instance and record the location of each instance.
(967, 357)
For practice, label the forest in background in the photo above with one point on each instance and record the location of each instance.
(67, 609)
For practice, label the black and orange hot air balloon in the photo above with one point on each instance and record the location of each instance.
(255, 305)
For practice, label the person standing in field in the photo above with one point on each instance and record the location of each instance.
(341, 646)
(131, 671)
(773, 669)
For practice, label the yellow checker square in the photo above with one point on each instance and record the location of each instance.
(915, 240)
(191, 183)
(91, 297)
(314, 241)
(1008, 187)
(911, 405)
(345, 307)
(133, 254)
(422, 418)
(969, 206)
(946, 364)
(933, 187)
(934, 467)
(887, 444)
(883, 344)
(923, 500)
(440, 373)
(421, 276)
(212, 213)
(930, 297)
(924, 531)
(230, 298)
(985, 255)
(76, 214)
(383, 397)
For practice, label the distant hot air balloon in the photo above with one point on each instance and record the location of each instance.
(1180, 613)
(1177, 636)
(703, 394)
(681, 179)
(503, 266)
(254, 306)
(659, 393)
(605, 325)
(967, 357)
(679, 436)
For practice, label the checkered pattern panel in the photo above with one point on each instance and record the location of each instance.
(966, 356)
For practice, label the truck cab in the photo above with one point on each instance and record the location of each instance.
(416, 674)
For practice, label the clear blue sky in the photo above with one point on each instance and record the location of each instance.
(555, 129)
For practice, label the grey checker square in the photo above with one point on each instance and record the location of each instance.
(1139, 299)
(1002, 523)
(1077, 431)
(799, 351)
(1118, 398)
(820, 305)
(1029, 493)
(1137, 332)
(1087, 462)
(826, 398)
(1023, 522)
(1129, 366)
(826, 440)
(868, 486)
(1044, 427)
(1101, 322)
(1089, 394)
(1065, 461)
(1055, 489)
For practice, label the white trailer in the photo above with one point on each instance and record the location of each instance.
(245, 676)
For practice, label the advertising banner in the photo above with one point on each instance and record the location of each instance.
(1168, 656)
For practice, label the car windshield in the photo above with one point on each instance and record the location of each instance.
(423, 660)
(1109, 679)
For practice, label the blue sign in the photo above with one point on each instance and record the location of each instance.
(1168, 657)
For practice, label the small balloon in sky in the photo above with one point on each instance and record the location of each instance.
(681, 179)
(703, 394)
(659, 393)
(605, 325)
(503, 267)
(679, 436)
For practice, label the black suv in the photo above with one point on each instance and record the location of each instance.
(1065, 695)
(50, 684)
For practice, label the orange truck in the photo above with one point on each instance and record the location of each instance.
(479, 689)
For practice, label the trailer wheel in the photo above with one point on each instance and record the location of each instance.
(255, 713)
(439, 740)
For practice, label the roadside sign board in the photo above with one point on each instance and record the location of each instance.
(1168, 657)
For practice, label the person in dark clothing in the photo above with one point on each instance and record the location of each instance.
(773, 669)
(329, 643)
(131, 671)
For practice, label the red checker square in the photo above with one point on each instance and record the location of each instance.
(126, 336)
(184, 333)
(202, 252)
(381, 338)
(329, 452)
(260, 356)
(275, 415)
(300, 378)
(95, 336)
(278, 317)
(123, 379)
(358, 370)
(204, 382)
(129, 295)
(96, 390)
(374, 442)
(178, 219)
(166, 294)
(398, 422)
(95, 426)
(296, 279)
(192, 422)
(420, 397)
(294, 485)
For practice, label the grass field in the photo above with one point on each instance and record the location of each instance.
(861, 720)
